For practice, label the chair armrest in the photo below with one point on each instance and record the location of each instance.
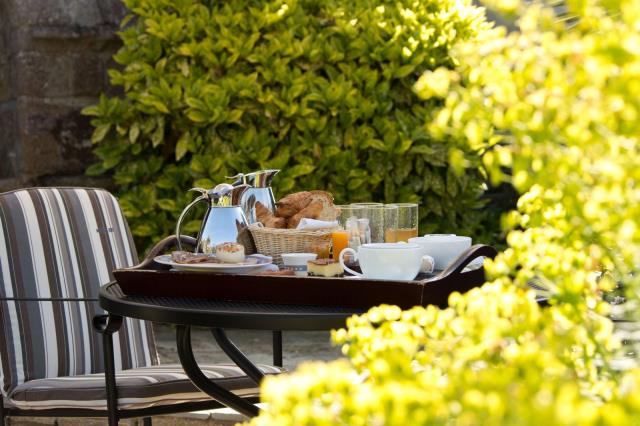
(107, 324)
(162, 246)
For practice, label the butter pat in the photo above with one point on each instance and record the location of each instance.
(324, 268)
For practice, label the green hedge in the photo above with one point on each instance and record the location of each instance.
(320, 89)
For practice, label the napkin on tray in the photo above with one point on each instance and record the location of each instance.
(313, 224)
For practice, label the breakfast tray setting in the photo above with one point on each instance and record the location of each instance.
(153, 279)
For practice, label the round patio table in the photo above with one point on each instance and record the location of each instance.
(217, 315)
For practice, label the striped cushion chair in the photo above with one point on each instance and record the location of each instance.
(57, 247)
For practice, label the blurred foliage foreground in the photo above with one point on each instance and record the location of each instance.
(558, 101)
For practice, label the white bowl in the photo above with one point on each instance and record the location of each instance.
(444, 248)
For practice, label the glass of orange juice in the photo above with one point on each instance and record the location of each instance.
(340, 241)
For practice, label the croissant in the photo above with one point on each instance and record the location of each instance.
(293, 203)
(312, 211)
(264, 215)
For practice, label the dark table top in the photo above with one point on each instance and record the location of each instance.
(223, 314)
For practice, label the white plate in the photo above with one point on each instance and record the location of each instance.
(220, 268)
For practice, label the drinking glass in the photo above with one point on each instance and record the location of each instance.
(407, 226)
(349, 234)
(374, 213)
(368, 204)
(390, 223)
(346, 211)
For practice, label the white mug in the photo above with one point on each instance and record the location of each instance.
(444, 248)
(386, 261)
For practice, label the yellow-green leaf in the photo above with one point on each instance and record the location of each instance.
(182, 146)
(134, 132)
(157, 136)
(100, 132)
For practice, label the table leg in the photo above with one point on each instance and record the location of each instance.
(237, 356)
(277, 348)
(193, 371)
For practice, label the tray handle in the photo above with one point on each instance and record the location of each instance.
(161, 247)
(466, 258)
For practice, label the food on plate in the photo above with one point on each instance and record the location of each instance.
(283, 272)
(324, 268)
(267, 218)
(190, 258)
(230, 252)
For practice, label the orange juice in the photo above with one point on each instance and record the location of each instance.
(398, 235)
(340, 241)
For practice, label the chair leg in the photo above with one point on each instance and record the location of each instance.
(277, 348)
(2, 415)
(107, 325)
(146, 421)
(110, 379)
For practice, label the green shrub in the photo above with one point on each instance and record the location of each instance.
(561, 99)
(322, 89)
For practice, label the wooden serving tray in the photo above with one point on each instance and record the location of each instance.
(343, 292)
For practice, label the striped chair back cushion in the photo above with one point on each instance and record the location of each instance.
(62, 243)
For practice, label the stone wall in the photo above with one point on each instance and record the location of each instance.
(53, 60)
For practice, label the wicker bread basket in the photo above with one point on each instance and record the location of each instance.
(275, 241)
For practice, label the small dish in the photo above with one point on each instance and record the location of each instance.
(297, 262)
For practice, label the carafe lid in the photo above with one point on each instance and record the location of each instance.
(223, 195)
(258, 179)
(226, 195)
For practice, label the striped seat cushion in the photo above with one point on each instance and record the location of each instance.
(62, 243)
(137, 388)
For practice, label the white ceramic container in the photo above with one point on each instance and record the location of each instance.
(444, 248)
(297, 262)
(386, 261)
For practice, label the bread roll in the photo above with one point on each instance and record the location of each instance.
(293, 203)
(275, 222)
(264, 215)
(312, 211)
(329, 211)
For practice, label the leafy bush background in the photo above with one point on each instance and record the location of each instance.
(320, 89)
